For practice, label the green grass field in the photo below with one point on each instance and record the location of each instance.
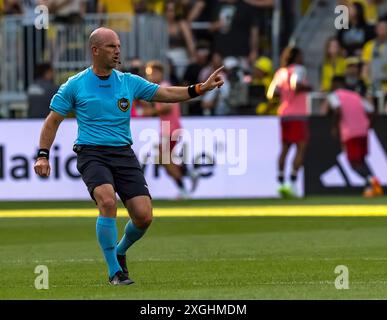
(187, 257)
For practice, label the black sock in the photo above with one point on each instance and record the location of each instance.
(293, 176)
(281, 177)
(368, 181)
(180, 184)
(363, 170)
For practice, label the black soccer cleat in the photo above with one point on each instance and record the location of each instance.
(122, 262)
(120, 279)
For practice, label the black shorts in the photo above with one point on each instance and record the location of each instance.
(117, 166)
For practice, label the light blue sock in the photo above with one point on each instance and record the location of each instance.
(131, 235)
(107, 238)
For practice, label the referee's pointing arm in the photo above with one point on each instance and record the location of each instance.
(178, 94)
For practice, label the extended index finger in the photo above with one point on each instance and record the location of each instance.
(217, 71)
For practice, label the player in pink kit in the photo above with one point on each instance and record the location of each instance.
(351, 122)
(170, 134)
(290, 84)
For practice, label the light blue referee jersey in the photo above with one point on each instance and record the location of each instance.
(102, 107)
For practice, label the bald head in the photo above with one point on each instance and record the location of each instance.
(105, 49)
(102, 35)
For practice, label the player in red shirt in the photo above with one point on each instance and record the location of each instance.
(170, 135)
(291, 85)
(351, 123)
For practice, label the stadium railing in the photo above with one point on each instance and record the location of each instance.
(66, 47)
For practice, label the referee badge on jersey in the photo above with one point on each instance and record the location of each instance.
(123, 104)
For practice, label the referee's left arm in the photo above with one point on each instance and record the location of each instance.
(178, 94)
(47, 136)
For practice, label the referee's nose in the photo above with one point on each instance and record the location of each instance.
(117, 51)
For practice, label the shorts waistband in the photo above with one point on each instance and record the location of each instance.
(79, 147)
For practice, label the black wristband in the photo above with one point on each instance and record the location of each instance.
(192, 91)
(43, 153)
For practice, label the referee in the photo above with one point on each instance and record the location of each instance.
(101, 98)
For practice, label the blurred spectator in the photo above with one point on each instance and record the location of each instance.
(185, 7)
(34, 40)
(238, 100)
(197, 10)
(288, 21)
(150, 6)
(236, 30)
(41, 91)
(124, 8)
(91, 6)
(172, 75)
(216, 102)
(333, 64)
(382, 8)
(12, 7)
(191, 76)
(261, 78)
(266, 8)
(181, 43)
(202, 11)
(193, 70)
(374, 57)
(353, 78)
(156, 6)
(159, 7)
(66, 11)
(216, 61)
(140, 7)
(209, 106)
(371, 9)
(136, 66)
(359, 32)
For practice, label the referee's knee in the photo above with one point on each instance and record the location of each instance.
(107, 206)
(144, 217)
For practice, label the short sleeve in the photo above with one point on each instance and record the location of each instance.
(276, 83)
(142, 88)
(63, 101)
(333, 101)
(299, 74)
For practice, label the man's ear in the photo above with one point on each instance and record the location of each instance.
(94, 51)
